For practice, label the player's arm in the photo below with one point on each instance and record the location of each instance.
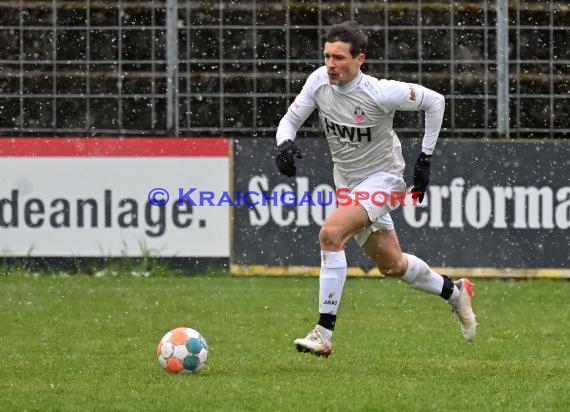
(402, 96)
(433, 104)
(297, 114)
(393, 95)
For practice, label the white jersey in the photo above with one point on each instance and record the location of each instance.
(357, 120)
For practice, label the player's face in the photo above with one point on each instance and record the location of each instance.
(342, 68)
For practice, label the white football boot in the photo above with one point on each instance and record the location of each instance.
(316, 343)
(461, 307)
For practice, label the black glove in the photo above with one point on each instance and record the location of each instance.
(285, 158)
(421, 175)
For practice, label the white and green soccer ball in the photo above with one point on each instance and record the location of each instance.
(182, 351)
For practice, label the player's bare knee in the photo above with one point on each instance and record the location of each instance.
(331, 236)
(387, 271)
(394, 269)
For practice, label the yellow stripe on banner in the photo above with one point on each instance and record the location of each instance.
(263, 270)
(491, 273)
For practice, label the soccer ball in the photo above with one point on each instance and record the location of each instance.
(182, 351)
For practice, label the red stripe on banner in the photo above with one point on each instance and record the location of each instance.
(115, 147)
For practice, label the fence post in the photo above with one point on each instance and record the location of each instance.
(172, 67)
(502, 37)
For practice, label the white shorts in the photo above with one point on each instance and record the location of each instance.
(381, 188)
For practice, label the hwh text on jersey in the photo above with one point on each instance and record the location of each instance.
(352, 133)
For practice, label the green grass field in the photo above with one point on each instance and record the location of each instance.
(74, 343)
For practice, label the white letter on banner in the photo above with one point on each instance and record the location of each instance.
(500, 195)
(563, 209)
(277, 208)
(537, 200)
(259, 214)
(303, 210)
(436, 193)
(409, 212)
(478, 207)
(323, 209)
(456, 189)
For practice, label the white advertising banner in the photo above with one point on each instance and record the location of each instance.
(109, 197)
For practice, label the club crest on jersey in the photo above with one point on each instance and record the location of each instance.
(358, 114)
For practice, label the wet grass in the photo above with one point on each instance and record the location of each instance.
(87, 343)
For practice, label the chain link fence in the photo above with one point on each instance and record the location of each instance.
(185, 68)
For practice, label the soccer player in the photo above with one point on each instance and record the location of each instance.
(356, 112)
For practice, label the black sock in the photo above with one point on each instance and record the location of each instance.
(447, 289)
(327, 321)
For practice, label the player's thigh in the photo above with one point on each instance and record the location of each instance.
(383, 247)
(343, 223)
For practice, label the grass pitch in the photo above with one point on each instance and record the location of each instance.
(85, 343)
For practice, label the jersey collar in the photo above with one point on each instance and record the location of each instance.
(349, 86)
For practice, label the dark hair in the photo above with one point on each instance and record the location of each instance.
(349, 32)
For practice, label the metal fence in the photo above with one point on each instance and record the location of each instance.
(85, 67)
